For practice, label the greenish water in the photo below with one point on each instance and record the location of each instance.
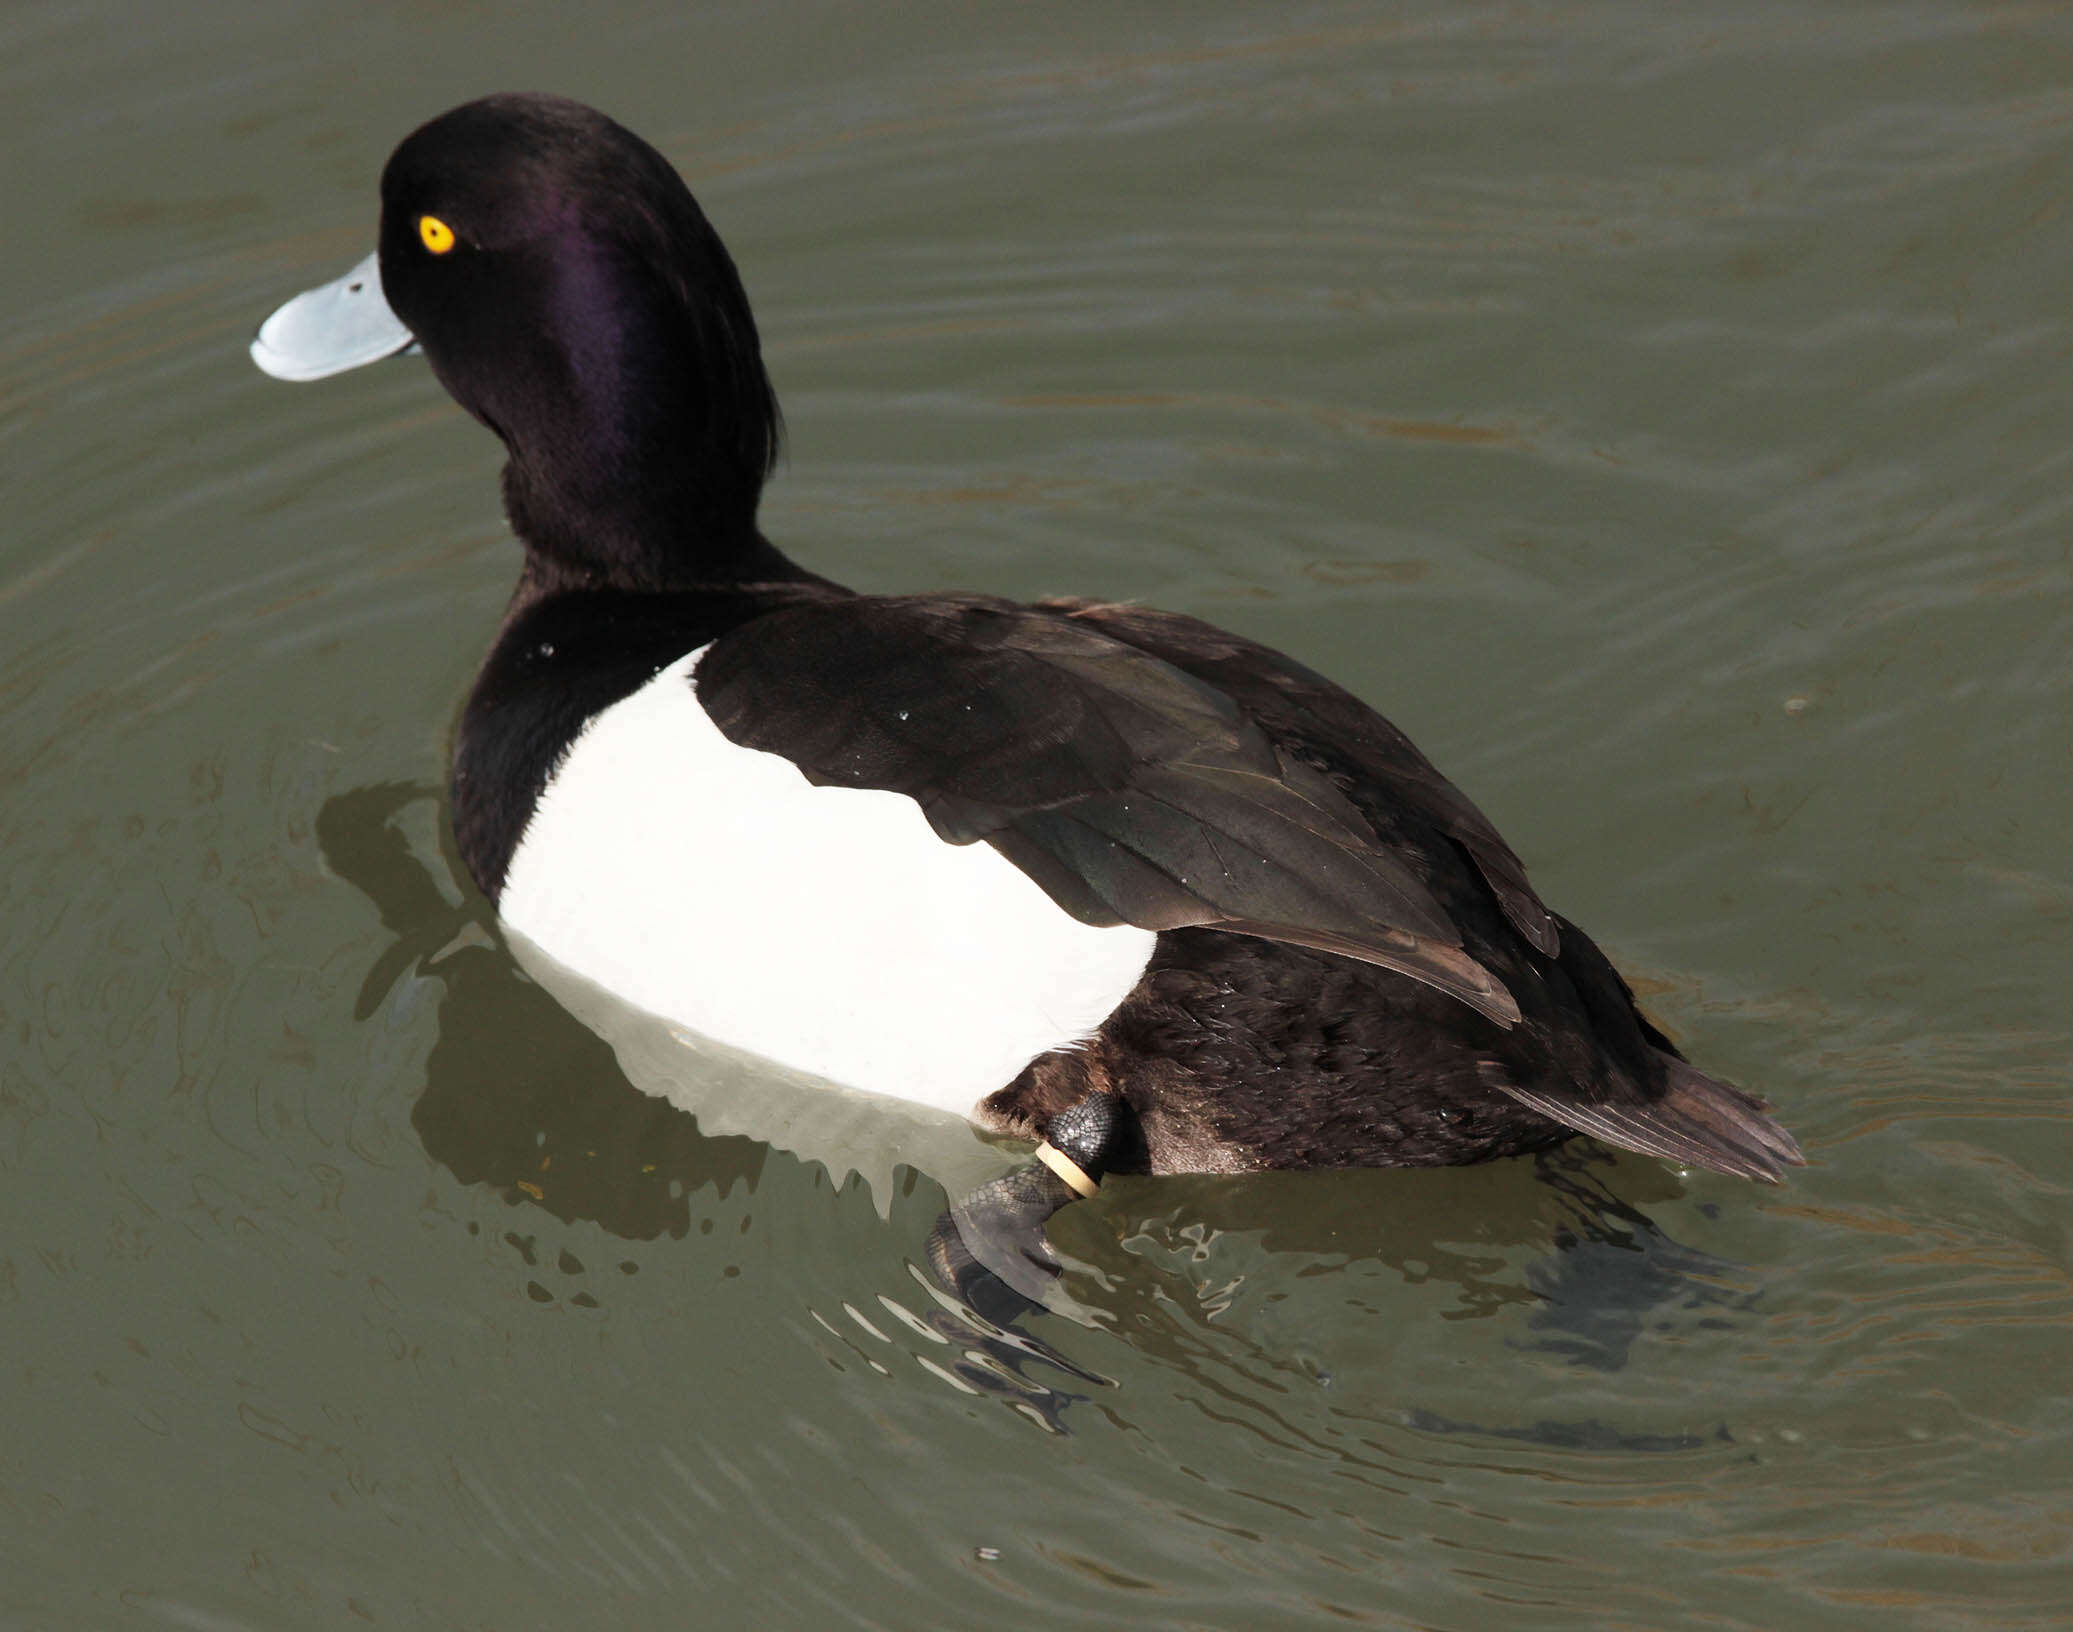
(1662, 413)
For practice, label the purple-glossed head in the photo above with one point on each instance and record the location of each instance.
(570, 294)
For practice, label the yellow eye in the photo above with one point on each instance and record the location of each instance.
(437, 235)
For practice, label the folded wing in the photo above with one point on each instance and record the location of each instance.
(1129, 790)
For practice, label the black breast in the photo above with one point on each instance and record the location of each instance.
(562, 659)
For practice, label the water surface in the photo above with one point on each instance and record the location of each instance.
(1660, 412)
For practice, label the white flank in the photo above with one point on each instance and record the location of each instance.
(826, 928)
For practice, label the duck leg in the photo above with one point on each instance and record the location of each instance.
(989, 1248)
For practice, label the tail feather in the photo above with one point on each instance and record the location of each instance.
(1699, 1121)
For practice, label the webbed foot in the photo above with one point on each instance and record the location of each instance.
(989, 1252)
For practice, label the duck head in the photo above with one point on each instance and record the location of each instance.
(571, 295)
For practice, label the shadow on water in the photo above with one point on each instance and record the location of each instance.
(1208, 1275)
(515, 1090)
(522, 1097)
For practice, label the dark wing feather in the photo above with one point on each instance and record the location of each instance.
(1272, 686)
(1129, 790)
(1619, 1079)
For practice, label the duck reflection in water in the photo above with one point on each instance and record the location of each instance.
(521, 1097)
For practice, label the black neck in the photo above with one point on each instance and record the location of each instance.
(747, 566)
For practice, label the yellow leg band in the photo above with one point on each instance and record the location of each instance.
(1067, 1169)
